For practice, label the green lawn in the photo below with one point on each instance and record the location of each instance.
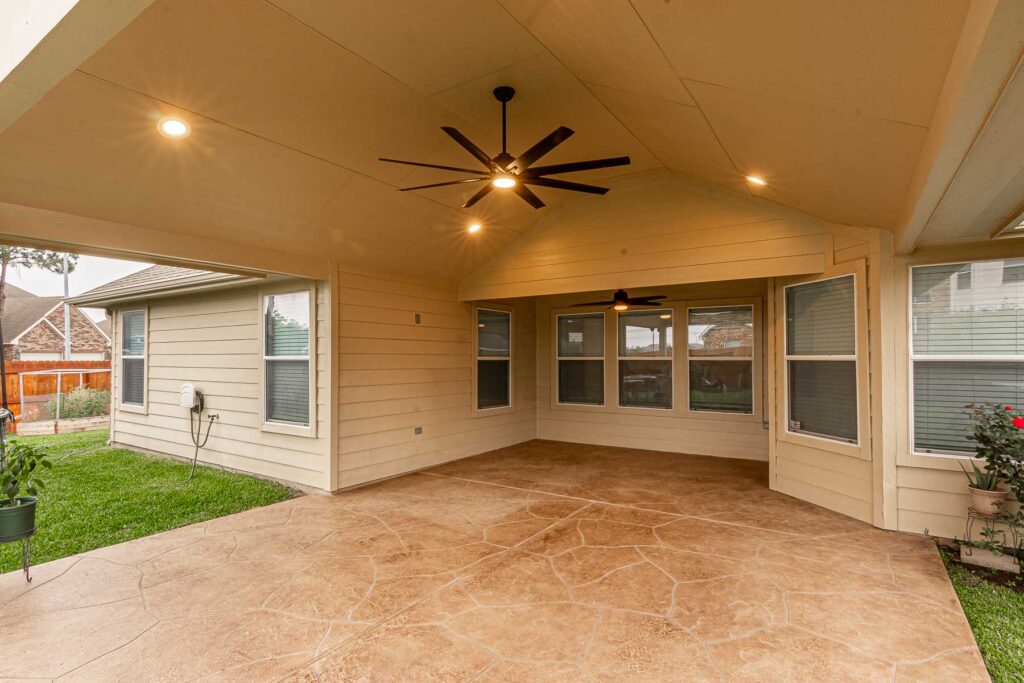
(996, 615)
(110, 495)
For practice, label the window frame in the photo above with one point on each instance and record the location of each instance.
(861, 448)
(494, 410)
(755, 367)
(952, 358)
(287, 427)
(619, 357)
(143, 407)
(556, 397)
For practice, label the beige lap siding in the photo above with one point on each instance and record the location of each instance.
(395, 375)
(213, 341)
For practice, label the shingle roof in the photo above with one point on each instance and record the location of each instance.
(23, 309)
(153, 275)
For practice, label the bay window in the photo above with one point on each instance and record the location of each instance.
(720, 351)
(645, 359)
(286, 358)
(821, 359)
(493, 359)
(966, 346)
(580, 358)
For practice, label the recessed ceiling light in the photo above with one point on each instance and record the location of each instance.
(474, 227)
(173, 128)
(756, 180)
(504, 181)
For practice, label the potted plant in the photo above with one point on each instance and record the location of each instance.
(987, 494)
(20, 466)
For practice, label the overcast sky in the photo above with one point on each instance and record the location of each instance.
(91, 271)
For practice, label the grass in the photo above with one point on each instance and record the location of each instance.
(996, 615)
(109, 495)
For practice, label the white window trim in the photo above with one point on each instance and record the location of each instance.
(752, 359)
(670, 358)
(142, 408)
(912, 357)
(856, 448)
(604, 366)
(494, 410)
(266, 425)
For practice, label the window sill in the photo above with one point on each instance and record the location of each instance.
(132, 408)
(497, 410)
(821, 443)
(307, 432)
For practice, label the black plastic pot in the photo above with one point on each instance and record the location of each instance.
(19, 521)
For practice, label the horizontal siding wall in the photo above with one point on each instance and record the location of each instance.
(676, 431)
(396, 375)
(213, 341)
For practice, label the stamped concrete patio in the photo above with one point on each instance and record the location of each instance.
(544, 561)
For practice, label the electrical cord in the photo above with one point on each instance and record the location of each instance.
(195, 429)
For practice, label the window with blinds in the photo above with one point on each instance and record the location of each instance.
(580, 358)
(133, 357)
(493, 359)
(967, 346)
(286, 358)
(821, 358)
(720, 349)
(645, 359)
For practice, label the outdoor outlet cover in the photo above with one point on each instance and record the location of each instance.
(419, 430)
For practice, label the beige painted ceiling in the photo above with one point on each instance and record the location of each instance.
(292, 101)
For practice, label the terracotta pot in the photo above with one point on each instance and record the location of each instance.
(988, 503)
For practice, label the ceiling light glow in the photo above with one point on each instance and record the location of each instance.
(173, 128)
(621, 307)
(756, 180)
(504, 181)
(665, 316)
(474, 227)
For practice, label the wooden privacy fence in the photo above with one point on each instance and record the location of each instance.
(32, 385)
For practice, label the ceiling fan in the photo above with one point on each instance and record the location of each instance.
(621, 301)
(515, 173)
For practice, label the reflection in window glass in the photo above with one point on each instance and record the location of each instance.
(720, 345)
(645, 335)
(494, 359)
(580, 358)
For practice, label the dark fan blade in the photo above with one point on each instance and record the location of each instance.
(574, 166)
(417, 163)
(596, 303)
(641, 300)
(450, 182)
(564, 185)
(478, 196)
(468, 145)
(530, 198)
(554, 139)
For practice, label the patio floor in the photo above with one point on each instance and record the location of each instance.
(543, 561)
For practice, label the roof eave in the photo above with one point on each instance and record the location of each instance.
(162, 289)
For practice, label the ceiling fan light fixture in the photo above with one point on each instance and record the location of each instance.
(504, 181)
(621, 307)
(665, 316)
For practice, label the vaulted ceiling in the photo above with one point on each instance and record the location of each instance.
(292, 101)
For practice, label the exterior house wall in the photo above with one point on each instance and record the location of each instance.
(213, 340)
(85, 336)
(395, 375)
(44, 341)
(41, 338)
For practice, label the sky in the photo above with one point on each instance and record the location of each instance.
(91, 271)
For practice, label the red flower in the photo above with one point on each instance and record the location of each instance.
(1018, 422)
(1008, 408)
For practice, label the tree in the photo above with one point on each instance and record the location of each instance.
(23, 257)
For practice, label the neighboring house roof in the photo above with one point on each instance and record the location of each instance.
(104, 326)
(157, 280)
(21, 313)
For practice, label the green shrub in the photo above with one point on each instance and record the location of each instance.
(80, 402)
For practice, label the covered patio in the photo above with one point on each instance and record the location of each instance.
(541, 561)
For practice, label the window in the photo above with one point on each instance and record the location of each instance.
(286, 356)
(133, 357)
(967, 346)
(821, 358)
(645, 359)
(720, 348)
(493, 359)
(580, 358)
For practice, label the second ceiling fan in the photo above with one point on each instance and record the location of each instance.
(507, 172)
